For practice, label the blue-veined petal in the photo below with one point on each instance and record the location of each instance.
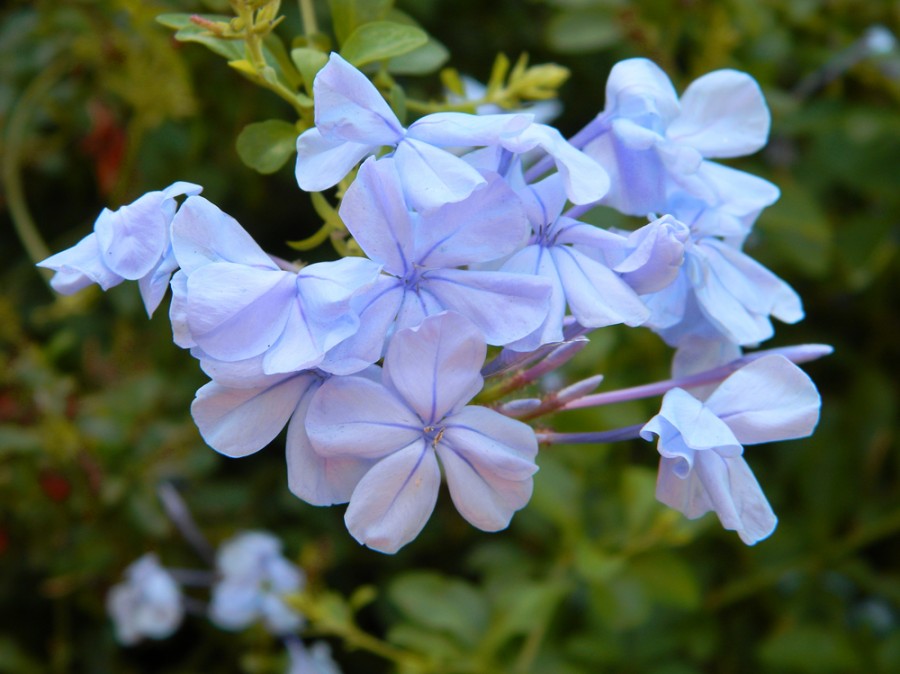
(723, 114)
(238, 422)
(394, 500)
(767, 400)
(317, 479)
(504, 306)
(436, 367)
(356, 417)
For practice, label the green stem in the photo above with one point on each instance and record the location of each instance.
(308, 16)
(16, 133)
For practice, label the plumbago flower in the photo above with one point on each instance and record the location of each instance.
(422, 255)
(147, 604)
(701, 442)
(414, 416)
(253, 577)
(353, 121)
(650, 142)
(132, 243)
(232, 302)
(559, 252)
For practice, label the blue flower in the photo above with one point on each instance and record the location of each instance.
(416, 415)
(421, 255)
(649, 141)
(240, 415)
(253, 577)
(147, 604)
(131, 243)
(559, 252)
(353, 121)
(233, 303)
(701, 442)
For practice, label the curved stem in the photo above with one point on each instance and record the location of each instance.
(16, 133)
(615, 435)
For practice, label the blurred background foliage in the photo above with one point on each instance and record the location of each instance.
(99, 104)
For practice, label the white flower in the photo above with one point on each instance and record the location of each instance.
(147, 604)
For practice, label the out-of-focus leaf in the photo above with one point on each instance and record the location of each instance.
(348, 15)
(309, 62)
(381, 40)
(810, 648)
(267, 146)
(441, 603)
(188, 31)
(797, 230)
(585, 30)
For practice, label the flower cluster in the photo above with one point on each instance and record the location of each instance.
(470, 233)
(248, 585)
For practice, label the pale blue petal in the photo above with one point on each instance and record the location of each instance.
(686, 427)
(153, 286)
(488, 225)
(203, 233)
(723, 114)
(238, 422)
(597, 297)
(488, 460)
(178, 312)
(433, 177)
(436, 367)
(686, 494)
(459, 129)
(348, 106)
(394, 500)
(79, 266)
(133, 238)
(584, 179)
(376, 308)
(638, 88)
(317, 479)
(756, 287)
(767, 400)
(301, 343)
(323, 161)
(236, 312)
(736, 496)
(356, 417)
(655, 255)
(537, 261)
(504, 306)
(375, 212)
(638, 178)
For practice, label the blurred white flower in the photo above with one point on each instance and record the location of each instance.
(147, 604)
(253, 576)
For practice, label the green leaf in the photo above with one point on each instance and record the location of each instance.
(440, 603)
(187, 31)
(381, 40)
(348, 15)
(309, 62)
(810, 648)
(266, 146)
(421, 61)
(582, 31)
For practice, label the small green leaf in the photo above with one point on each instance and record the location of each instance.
(381, 40)
(440, 603)
(309, 62)
(266, 146)
(586, 30)
(421, 61)
(348, 15)
(188, 31)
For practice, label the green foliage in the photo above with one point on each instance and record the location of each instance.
(97, 106)
(267, 146)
